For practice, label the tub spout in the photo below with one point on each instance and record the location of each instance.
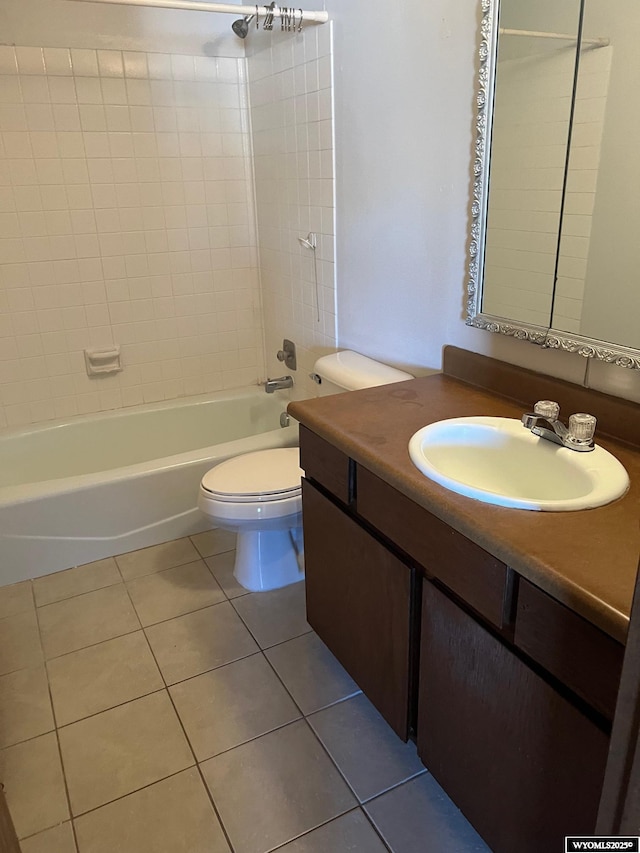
(283, 382)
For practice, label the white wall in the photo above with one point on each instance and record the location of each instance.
(613, 246)
(405, 94)
(529, 143)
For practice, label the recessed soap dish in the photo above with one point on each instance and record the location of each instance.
(102, 361)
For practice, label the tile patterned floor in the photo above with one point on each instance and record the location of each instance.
(149, 704)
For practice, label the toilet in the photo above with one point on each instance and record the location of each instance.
(259, 495)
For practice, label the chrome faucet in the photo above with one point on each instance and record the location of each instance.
(279, 384)
(543, 421)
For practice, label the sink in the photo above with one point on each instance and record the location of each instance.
(499, 461)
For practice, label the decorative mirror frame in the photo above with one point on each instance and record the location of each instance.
(546, 337)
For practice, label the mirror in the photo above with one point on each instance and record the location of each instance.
(555, 208)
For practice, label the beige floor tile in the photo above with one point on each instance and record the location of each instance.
(57, 840)
(273, 789)
(275, 616)
(176, 591)
(200, 641)
(86, 619)
(157, 558)
(231, 705)
(419, 816)
(72, 582)
(15, 598)
(19, 642)
(33, 782)
(172, 816)
(221, 567)
(214, 542)
(25, 707)
(119, 751)
(100, 677)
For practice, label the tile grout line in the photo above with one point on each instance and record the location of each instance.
(76, 594)
(166, 569)
(93, 645)
(257, 642)
(55, 723)
(361, 803)
(110, 708)
(184, 731)
(304, 717)
(260, 650)
(263, 734)
(27, 609)
(130, 793)
(357, 808)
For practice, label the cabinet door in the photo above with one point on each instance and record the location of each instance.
(8, 837)
(358, 601)
(521, 762)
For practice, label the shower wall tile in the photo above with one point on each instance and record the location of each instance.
(126, 217)
(290, 86)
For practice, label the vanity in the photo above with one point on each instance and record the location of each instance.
(494, 637)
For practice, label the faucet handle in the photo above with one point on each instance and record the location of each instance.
(582, 427)
(547, 409)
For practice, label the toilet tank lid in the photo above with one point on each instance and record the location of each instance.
(351, 371)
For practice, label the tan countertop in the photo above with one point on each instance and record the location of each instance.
(586, 559)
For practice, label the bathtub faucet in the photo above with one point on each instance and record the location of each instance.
(279, 384)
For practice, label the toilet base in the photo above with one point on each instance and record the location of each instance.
(269, 559)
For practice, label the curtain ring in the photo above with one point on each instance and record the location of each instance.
(300, 24)
(257, 18)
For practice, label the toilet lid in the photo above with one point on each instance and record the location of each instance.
(265, 472)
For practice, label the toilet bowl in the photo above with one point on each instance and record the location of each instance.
(258, 495)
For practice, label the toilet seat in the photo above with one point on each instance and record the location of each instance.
(263, 476)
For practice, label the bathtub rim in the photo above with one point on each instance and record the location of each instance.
(24, 493)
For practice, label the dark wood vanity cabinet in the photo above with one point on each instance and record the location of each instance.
(523, 764)
(508, 693)
(359, 603)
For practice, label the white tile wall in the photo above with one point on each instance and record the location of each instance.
(529, 139)
(582, 176)
(292, 121)
(530, 133)
(126, 216)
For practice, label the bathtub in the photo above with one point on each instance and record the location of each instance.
(94, 486)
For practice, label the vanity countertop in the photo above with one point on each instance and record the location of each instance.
(586, 559)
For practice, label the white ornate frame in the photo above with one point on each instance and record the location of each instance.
(545, 337)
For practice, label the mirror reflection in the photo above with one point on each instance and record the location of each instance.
(562, 213)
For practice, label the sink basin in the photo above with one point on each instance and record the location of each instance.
(499, 461)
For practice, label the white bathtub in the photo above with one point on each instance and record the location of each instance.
(90, 487)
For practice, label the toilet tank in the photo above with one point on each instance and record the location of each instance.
(349, 371)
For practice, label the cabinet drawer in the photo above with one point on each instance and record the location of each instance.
(325, 464)
(582, 656)
(359, 603)
(465, 568)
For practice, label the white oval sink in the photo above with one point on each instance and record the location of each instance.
(499, 461)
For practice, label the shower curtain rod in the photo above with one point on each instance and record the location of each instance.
(560, 36)
(227, 8)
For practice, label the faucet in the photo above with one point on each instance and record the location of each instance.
(279, 384)
(543, 422)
